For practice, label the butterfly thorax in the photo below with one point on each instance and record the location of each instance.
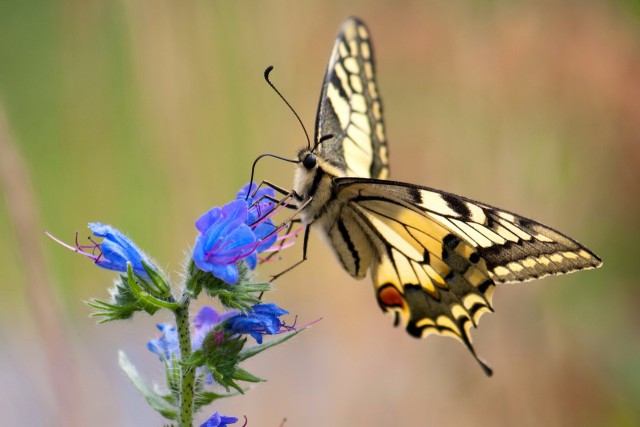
(313, 183)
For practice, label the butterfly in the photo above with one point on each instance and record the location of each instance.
(435, 258)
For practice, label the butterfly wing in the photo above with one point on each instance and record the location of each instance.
(350, 108)
(438, 256)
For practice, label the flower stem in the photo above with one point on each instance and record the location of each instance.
(187, 373)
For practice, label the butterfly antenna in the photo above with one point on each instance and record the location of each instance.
(255, 162)
(322, 139)
(267, 71)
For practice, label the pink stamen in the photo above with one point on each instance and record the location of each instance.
(285, 328)
(78, 248)
(279, 229)
(292, 234)
(284, 244)
(280, 247)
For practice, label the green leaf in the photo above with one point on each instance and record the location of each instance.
(242, 375)
(204, 398)
(195, 360)
(123, 303)
(154, 399)
(233, 384)
(111, 312)
(240, 296)
(143, 296)
(162, 287)
(172, 374)
(253, 350)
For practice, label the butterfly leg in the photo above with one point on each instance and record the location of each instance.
(283, 243)
(304, 255)
(280, 190)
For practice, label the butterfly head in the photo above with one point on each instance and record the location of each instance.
(309, 161)
(314, 173)
(307, 165)
(307, 156)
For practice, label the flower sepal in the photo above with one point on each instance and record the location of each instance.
(159, 286)
(204, 398)
(220, 356)
(146, 294)
(240, 296)
(123, 303)
(133, 293)
(242, 375)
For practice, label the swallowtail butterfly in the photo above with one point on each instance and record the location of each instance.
(435, 258)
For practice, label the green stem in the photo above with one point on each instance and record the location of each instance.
(187, 374)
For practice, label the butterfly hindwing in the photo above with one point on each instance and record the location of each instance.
(438, 256)
(350, 108)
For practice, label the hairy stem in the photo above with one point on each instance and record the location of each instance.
(187, 374)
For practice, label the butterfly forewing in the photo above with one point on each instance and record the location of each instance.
(350, 108)
(512, 247)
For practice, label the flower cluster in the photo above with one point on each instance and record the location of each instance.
(210, 348)
(217, 343)
(240, 230)
(263, 319)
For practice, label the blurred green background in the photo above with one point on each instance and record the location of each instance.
(144, 114)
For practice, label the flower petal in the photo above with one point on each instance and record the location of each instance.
(265, 235)
(117, 249)
(264, 319)
(224, 240)
(217, 420)
(167, 345)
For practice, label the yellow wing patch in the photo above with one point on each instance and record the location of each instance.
(350, 107)
(436, 257)
(433, 281)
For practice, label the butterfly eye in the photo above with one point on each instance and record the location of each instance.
(309, 161)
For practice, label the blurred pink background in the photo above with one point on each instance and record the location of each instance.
(145, 114)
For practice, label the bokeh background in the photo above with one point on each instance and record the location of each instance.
(143, 114)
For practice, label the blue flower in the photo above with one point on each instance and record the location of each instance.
(261, 206)
(263, 319)
(203, 322)
(225, 239)
(218, 420)
(117, 249)
(167, 346)
(113, 253)
(260, 201)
